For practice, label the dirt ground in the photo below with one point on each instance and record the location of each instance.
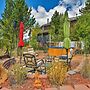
(72, 79)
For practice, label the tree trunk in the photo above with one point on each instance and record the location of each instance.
(20, 55)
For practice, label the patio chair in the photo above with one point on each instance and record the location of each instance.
(8, 63)
(32, 62)
(64, 57)
(31, 51)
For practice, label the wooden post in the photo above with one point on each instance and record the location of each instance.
(20, 55)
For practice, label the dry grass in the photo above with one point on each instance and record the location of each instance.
(57, 73)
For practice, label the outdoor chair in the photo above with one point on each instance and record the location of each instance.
(9, 62)
(64, 58)
(32, 62)
(31, 51)
(70, 56)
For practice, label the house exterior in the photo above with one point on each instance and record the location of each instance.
(72, 22)
(44, 36)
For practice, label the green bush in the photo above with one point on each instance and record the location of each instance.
(34, 44)
(17, 74)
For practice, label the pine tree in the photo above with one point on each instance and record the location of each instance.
(21, 12)
(83, 27)
(55, 21)
(8, 9)
(57, 26)
(15, 11)
(6, 25)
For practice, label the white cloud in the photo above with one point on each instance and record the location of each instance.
(42, 15)
(68, 1)
(75, 11)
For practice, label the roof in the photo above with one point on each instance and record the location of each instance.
(48, 24)
(73, 19)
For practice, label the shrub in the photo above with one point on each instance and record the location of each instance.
(14, 53)
(17, 74)
(34, 44)
(85, 71)
(57, 72)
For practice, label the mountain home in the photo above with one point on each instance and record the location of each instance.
(44, 37)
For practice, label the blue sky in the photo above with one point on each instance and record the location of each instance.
(43, 9)
(48, 4)
(2, 5)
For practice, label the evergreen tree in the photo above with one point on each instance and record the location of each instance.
(15, 11)
(8, 9)
(55, 21)
(83, 27)
(6, 25)
(57, 26)
(21, 12)
(35, 31)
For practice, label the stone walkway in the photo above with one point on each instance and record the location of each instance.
(75, 87)
(65, 87)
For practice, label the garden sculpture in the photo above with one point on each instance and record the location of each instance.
(37, 83)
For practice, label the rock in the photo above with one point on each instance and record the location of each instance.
(5, 88)
(71, 72)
